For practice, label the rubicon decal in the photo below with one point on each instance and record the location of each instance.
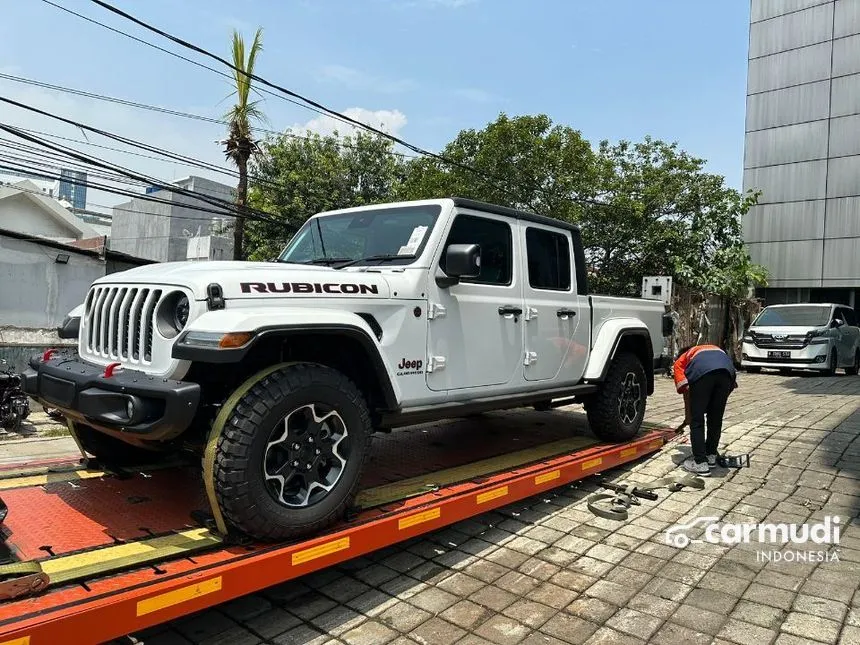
(347, 288)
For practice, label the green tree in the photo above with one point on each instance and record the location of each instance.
(523, 162)
(662, 214)
(644, 209)
(297, 176)
(240, 144)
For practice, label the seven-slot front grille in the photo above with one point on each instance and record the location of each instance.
(120, 322)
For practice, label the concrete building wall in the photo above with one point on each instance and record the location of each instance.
(35, 290)
(160, 232)
(802, 147)
(22, 214)
(141, 228)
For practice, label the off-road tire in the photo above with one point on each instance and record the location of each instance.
(240, 484)
(855, 369)
(111, 451)
(602, 408)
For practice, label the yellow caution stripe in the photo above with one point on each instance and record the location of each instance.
(547, 477)
(48, 478)
(592, 463)
(322, 550)
(419, 518)
(177, 596)
(24, 640)
(496, 493)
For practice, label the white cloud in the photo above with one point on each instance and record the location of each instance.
(390, 121)
(358, 80)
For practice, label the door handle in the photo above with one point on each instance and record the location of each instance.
(509, 310)
(565, 313)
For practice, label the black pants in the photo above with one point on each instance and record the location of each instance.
(708, 396)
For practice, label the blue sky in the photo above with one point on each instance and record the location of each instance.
(614, 69)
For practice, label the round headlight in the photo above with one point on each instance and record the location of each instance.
(173, 313)
(180, 313)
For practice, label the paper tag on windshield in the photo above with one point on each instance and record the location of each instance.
(414, 241)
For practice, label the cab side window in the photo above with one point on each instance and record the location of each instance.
(496, 242)
(548, 256)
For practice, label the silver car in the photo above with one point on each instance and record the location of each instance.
(806, 336)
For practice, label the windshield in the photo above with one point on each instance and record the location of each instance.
(793, 317)
(399, 232)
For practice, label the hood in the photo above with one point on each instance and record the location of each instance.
(788, 330)
(257, 279)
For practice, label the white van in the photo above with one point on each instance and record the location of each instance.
(808, 336)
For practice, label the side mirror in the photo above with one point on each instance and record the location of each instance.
(461, 261)
(837, 322)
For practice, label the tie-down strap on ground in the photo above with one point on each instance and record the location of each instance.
(614, 505)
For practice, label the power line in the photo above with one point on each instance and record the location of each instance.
(116, 137)
(128, 210)
(188, 160)
(220, 203)
(290, 95)
(307, 101)
(47, 159)
(217, 202)
(171, 112)
(104, 147)
(29, 171)
(174, 54)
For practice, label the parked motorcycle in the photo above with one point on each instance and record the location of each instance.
(14, 403)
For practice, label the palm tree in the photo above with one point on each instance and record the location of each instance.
(240, 145)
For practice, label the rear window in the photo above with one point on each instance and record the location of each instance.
(793, 317)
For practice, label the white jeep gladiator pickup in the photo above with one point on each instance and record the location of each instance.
(371, 318)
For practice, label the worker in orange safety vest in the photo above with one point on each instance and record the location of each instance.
(706, 376)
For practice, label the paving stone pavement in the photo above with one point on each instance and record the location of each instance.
(546, 571)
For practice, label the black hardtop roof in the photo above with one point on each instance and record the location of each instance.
(513, 212)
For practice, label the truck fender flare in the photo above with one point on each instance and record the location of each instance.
(606, 344)
(351, 331)
(346, 324)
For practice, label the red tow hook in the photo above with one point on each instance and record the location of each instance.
(48, 355)
(111, 368)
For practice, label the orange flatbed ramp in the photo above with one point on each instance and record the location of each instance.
(419, 479)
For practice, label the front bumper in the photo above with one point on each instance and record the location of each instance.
(161, 409)
(811, 357)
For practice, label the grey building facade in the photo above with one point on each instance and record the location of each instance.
(160, 231)
(802, 148)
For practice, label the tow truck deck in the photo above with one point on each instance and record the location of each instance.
(92, 555)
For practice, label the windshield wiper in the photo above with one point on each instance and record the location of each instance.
(375, 258)
(316, 261)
